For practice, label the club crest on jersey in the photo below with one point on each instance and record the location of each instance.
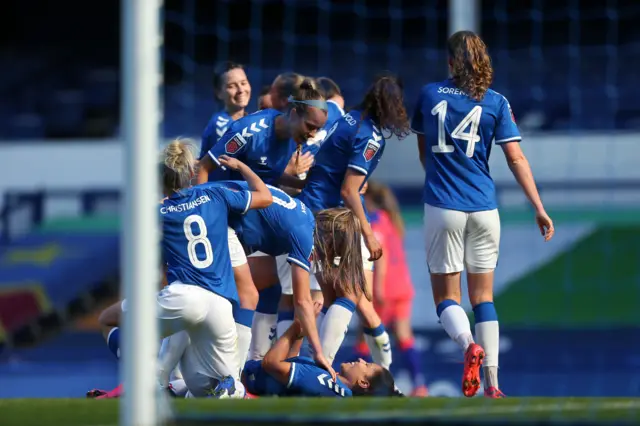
(371, 150)
(234, 144)
(513, 117)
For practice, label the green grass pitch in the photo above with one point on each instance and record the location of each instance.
(76, 412)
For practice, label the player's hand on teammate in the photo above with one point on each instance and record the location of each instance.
(323, 363)
(230, 162)
(375, 249)
(300, 163)
(545, 224)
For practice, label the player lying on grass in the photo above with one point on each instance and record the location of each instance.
(336, 237)
(346, 159)
(279, 375)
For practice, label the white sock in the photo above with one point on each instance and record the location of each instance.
(243, 318)
(244, 342)
(263, 334)
(240, 390)
(335, 325)
(176, 374)
(283, 326)
(379, 345)
(455, 322)
(488, 334)
(172, 349)
(285, 319)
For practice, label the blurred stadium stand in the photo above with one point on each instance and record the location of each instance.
(567, 67)
(563, 65)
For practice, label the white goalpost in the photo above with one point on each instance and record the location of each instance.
(464, 15)
(141, 77)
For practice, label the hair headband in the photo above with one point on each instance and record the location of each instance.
(320, 104)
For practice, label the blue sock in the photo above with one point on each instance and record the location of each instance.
(413, 362)
(242, 316)
(113, 342)
(374, 332)
(269, 299)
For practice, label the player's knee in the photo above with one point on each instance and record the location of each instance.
(269, 299)
(480, 287)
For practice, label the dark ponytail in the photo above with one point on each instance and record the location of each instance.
(384, 102)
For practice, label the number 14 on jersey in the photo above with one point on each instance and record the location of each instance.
(471, 121)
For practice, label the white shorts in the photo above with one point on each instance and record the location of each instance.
(236, 252)
(208, 319)
(284, 275)
(455, 240)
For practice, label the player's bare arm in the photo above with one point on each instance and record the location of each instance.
(205, 166)
(260, 194)
(422, 150)
(350, 193)
(519, 166)
(274, 361)
(306, 314)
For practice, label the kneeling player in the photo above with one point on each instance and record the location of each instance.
(277, 374)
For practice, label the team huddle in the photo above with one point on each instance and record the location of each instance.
(281, 239)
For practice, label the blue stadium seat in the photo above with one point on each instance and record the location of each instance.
(65, 113)
(26, 126)
(101, 87)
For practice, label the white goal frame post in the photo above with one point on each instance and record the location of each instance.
(141, 78)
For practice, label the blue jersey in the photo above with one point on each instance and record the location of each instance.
(334, 112)
(305, 379)
(252, 140)
(285, 227)
(195, 242)
(216, 128)
(459, 132)
(353, 143)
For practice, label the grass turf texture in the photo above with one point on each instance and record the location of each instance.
(75, 412)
